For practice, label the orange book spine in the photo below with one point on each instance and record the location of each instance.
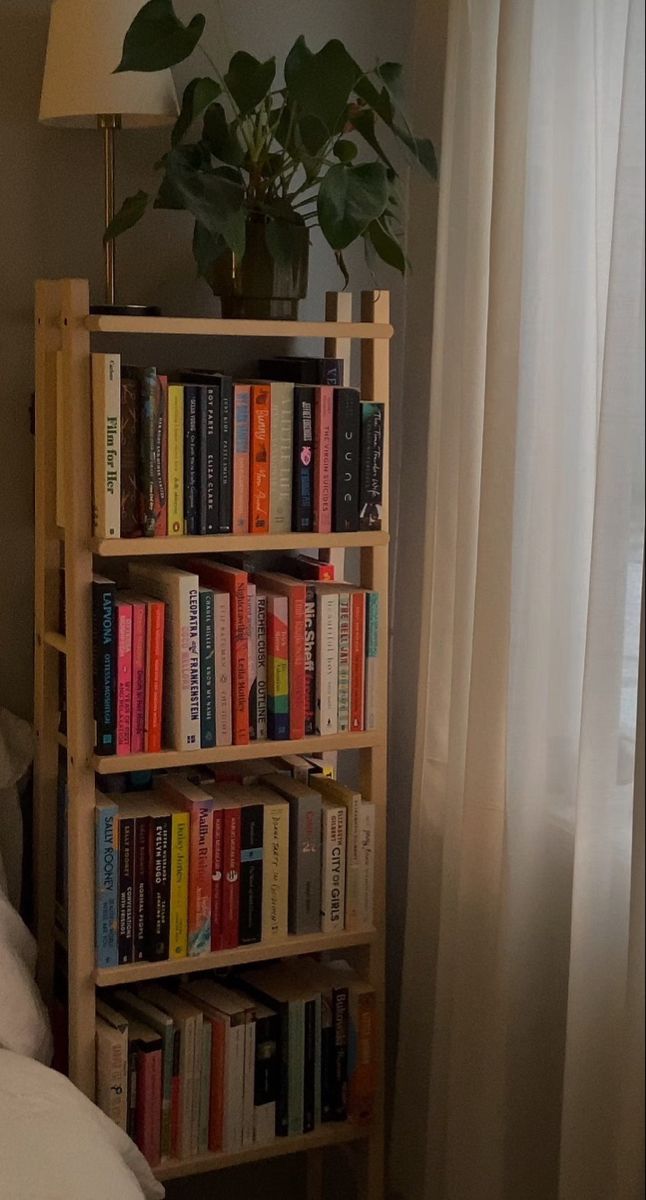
(260, 447)
(155, 627)
(362, 1082)
(358, 660)
(216, 1116)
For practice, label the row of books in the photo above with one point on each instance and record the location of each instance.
(231, 855)
(215, 654)
(215, 1067)
(199, 454)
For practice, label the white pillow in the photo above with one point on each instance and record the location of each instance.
(24, 1025)
(56, 1145)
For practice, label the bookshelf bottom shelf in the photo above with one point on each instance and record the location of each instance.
(327, 1135)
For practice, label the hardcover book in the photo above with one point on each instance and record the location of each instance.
(294, 591)
(333, 866)
(372, 660)
(199, 805)
(223, 684)
(282, 449)
(207, 667)
(323, 420)
(346, 459)
(303, 461)
(130, 440)
(261, 665)
(260, 451)
(241, 425)
(304, 852)
(175, 486)
(275, 886)
(191, 459)
(107, 882)
(371, 473)
(154, 675)
(104, 658)
(153, 450)
(277, 667)
(106, 465)
(221, 577)
(124, 675)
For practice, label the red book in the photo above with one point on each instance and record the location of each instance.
(260, 450)
(294, 590)
(155, 630)
(199, 805)
(124, 675)
(241, 415)
(231, 877)
(358, 658)
(307, 567)
(323, 424)
(216, 1116)
(216, 890)
(138, 716)
(234, 581)
(175, 1111)
(149, 1101)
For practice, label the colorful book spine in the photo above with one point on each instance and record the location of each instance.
(222, 621)
(179, 878)
(372, 659)
(200, 881)
(207, 667)
(154, 675)
(191, 459)
(130, 439)
(149, 1103)
(104, 638)
(339, 1072)
(261, 665)
(327, 660)
(107, 884)
(251, 873)
(323, 429)
(358, 668)
(225, 509)
(295, 591)
(346, 457)
(124, 675)
(345, 663)
(217, 880)
(275, 886)
(310, 661)
(231, 878)
(139, 890)
(175, 487)
(277, 667)
(153, 454)
(362, 1055)
(252, 654)
(209, 444)
(158, 886)
(234, 581)
(371, 470)
(282, 450)
(241, 426)
(126, 888)
(303, 459)
(106, 425)
(307, 567)
(138, 715)
(260, 451)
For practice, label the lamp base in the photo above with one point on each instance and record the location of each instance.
(125, 310)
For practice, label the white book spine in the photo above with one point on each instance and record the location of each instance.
(264, 1117)
(252, 656)
(261, 666)
(367, 863)
(282, 439)
(275, 873)
(248, 1090)
(205, 1088)
(223, 724)
(234, 1085)
(106, 435)
(112, 1072)
(353, 865)
(344, 662)
(333, 858)
(327, 660)
(372, 650)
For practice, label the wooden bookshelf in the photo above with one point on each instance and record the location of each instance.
(64, 324)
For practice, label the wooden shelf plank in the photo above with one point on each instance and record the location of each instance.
(328, 1135)
(311, 943)
(216, 327)
(114, 764)
(226, 543)
(56, 640)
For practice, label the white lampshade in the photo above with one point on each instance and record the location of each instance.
(84, 46)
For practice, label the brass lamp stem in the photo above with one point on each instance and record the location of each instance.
(108, 123)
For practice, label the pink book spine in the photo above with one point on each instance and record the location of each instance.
(148, 1112)
(216, 891)
(241, 419)
(138, 718)
(124, 676)
(323, 460)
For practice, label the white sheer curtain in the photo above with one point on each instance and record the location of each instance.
(517, 1071)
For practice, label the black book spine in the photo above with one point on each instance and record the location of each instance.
(104, 630)
(126, 888)
(313, 371)
(340, 1026)
(310, 660)
(331, 372)
(140, 876)
(372, 449)
(225, 522)
(209, 458)
(207, 669)
(266, 1067)
(251, 853)
(303, 481)
(191, 464)
(346, 456)
(158, 923)
(309, 1071)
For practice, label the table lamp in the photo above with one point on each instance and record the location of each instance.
(80, 90)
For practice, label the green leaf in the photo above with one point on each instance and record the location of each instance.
(221, 138)
(214, 198)
(207, 249)
(321, 83)
(198, 94)
(284, 240)
(379, 101)
(364, 122)
(157, 38)
(422, 149)
(391, 75)
(249, 80)
(193, 156)
(386, 246)
(349, 199)
(313, 134)
(344, 150)
(131, 211)
(297, 60)
(341, 264)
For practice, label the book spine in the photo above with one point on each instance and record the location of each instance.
(207, 667)
(260, 458)
(190, 651)
(261, 666)
(191, 459)
(372, 659)
(140, 885)
(327, 1055)
(107, 883)
(155, 622)
(282, 1072)
(106, 423)
(216, 1114)
(323, 420)
(303, 459)
(248, 1085)
(168, 1048)
(104, 630)
(225, 510)
(362, 1064)
(222, 621)
(333, 859)
(180, 835)
(138, 715)
(175, 489)
(275, 873)
(231, 879)
(124, 676)
(309, 1065)
(240, 662)
(197, 1079)
(312, 568)
(126, 888)
(153, 468)
(296, 1090)
(305, 864)
(297, 662)
(241, 425)
(327, 661)
(130, 437)
(112, 1073)
(265, 1079)
(200, 882)
(251, 873)
(252, 659)
(148, 1110)
(346, 460)
(345, 664)
(277, 667)
(371, 470)
(310, 661)
(234, 1089)
(353, 874)
(358, 668)
(340, 1005)
(216, 880)
(205, 1088)
(366, 864)
(131, 1121)
(209, 490)
(282, 443)
(158, 889)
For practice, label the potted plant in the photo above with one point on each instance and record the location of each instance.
(271, 161)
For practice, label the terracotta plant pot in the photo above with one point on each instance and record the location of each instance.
(256, 286)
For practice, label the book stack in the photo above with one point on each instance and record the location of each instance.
(209, 1067)
(217, 654)
(229, 856)
(199, 453)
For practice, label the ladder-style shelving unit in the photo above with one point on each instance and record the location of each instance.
(63, 446)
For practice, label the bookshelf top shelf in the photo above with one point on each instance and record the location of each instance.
(217, 327)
